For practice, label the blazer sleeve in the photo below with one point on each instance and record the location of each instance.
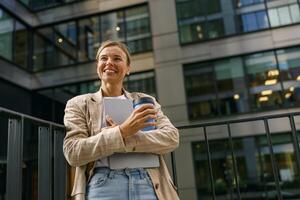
(160, 141)
(79, 147)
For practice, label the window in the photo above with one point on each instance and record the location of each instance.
(199, 20)
(215, 29)
(189, 9)
(21, 45)
(136, 82)
(263, 79)
(216, 88)
(200, 90)
(201, 31)
(254, 21)
(254, 82)
(6, 35)
(203, 20)
(89, 39)
(141, 82)
(289, 64)
(138, 33)
(36, 5)
(77, 41)
(284, 15)
(240, 3)
(231, 86)
(113, 26)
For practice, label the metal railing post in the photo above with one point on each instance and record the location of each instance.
(295, 141)
(235, 171)
(14, 159)
(273, 162)
(44, 164)
(60, 167)
(212, 184)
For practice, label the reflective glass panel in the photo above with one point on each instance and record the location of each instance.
(141, 82)
(284, 15)
(231, 86)
(21, 46)
(203, 182)
(222, 165)
(286, 162)
(289, 64)
(38, 52)
(263, 80)
(200, 90)
(215, 28)
(254, 21)
(6, 35)
(240, 3)
(138, 33)
(112, 26)
(201, 20)
(89, 38)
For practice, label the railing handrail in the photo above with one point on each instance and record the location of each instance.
(22, 115)
(234, 121)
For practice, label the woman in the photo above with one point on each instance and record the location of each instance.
(88, 143)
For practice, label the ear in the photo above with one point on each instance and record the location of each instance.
(128, 70)
(98, 72)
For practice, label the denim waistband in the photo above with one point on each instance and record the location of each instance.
(127, 171)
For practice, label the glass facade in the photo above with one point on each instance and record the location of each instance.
(253, 166)
(78, 40)
(36, 5)
(255, 82)
(13, 40)
(201, 20)
(74, 41)
(136, 82)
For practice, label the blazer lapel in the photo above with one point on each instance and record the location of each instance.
(95, 109)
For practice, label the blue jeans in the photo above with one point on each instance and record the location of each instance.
(125, 184)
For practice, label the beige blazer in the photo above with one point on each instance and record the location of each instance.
(85, 142)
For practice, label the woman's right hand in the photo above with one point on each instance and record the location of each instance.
(138, 120)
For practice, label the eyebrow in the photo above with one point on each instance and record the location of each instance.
(116, 55)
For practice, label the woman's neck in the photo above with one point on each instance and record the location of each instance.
(111, 90)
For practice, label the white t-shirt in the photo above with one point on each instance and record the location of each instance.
(104, 161)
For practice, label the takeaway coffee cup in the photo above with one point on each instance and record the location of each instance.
(138, 103)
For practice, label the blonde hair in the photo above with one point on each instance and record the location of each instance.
(110, 43)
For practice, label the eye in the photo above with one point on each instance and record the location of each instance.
(118, 59)
(103, 58)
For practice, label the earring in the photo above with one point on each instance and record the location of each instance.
(128, 73)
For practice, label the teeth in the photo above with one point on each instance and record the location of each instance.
(109, 70)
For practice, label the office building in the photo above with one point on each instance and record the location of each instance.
(204, 60)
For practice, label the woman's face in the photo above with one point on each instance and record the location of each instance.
(112, 65)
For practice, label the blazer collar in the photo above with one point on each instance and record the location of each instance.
(97, 96)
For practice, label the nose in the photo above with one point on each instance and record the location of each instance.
(109, 61)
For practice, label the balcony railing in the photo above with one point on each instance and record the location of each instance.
(32, 165)
(247, 158)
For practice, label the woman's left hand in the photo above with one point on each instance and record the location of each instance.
(110, 122)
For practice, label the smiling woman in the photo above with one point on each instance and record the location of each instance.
(113, 65)
(92, 138)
